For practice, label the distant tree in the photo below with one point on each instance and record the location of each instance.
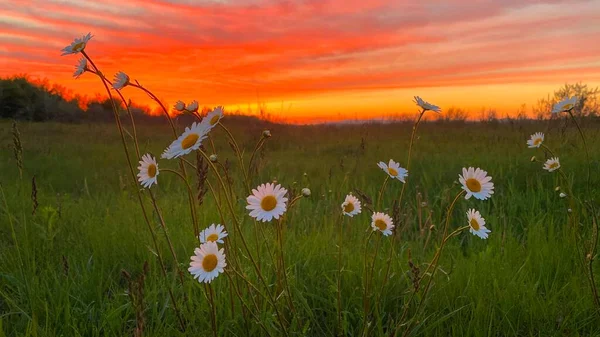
(453, 114)
(587, 106)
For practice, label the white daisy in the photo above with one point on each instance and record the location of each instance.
(80, 68)
(121, 80)
(382, 222)
(566, 104)
(148, 171)
(267, 202)
(179, 106)
(477, 224)
(208, 262)
(190, 140)
(394, 170)
(213, 117)
(351, 206)
(476, 183)
(535, 140)
(192, 107)
(552, 164)
(213, 234)
(77, 45)
(427, 106)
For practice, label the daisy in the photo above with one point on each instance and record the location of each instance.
(121, 80)
(394, 170)
(477, 224)
(476, 183)
(207, 262)
(148, 171)
(566, 104)
(552, 164)
(77, 45)
(192, 107)
(427, 106)
(80, 68)
(179, 106)
(351, 206)
(190, 140)
(267, 201)
(213, 117)
(535, 140)
(382, 222)
(213, 234)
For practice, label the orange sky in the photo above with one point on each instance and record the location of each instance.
(313, 60)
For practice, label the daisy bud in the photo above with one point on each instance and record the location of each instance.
(533, 158)
(562, 195)
(306, 192)
(213, 158)
(569, 210)
(305, 174)
(266, 133)
(179, 106)
(557, 188)
(423, 204)
(193, 106)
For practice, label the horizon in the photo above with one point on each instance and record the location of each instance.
(314, 61)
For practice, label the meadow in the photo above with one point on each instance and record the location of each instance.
(82, 263)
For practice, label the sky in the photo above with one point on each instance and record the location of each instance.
(313, 60)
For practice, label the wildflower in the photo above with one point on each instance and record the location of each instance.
(179, 106)
(306, 192)
(566, 104)
(192, 107)
(213, 234)
(148, 171)
(213, 117)
(476, 183)
(382, 222)
(394, 170)
(81, 67)
(77, 45)
(267, 201)
(552, 164)
(535, 140)
(190, 140)
(121, 80)
(207, 262)
(351, 206)
(477, 224)
(426, 106)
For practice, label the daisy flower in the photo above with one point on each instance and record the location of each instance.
(535, 140)
(476, 183)
(213, 117)
(552, 164)
(80, 68)
(267, 201)
(179, 106)
(120, 81)
(77, 45)
(192, 107)
(148, 171)
(351, 206)
(394, 170)
(213, 234)
(566, 104)
(427, 106)
(382, 222)
(207, 262)
(477, 224)
(190, 140)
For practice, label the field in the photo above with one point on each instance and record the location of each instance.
(72, 268)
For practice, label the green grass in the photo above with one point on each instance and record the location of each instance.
(61, 271)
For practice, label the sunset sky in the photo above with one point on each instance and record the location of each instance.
(313, 60)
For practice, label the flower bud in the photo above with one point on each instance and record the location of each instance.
(192, 107)
(533, 158)
(562, 195)
(179, 106)
(213, 158)
(306, 192)
(266, 133)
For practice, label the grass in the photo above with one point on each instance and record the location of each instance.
(61, 268)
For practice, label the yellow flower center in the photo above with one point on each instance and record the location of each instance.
(268, 203)
(349, 207)
(79, 46)
(537, 141)
(553, 165)
(567, 107)
(209, 263)
(474, 224)
(392, 172)
(213, 237)
(151, 170)
(380, 224)
(189, 141)
(473, 185)
(214, 119)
